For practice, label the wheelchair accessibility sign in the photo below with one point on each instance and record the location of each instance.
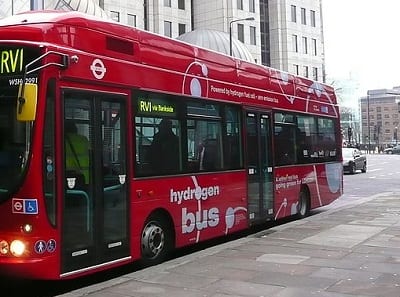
(25, 206)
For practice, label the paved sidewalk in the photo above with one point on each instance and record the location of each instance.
(353, 250)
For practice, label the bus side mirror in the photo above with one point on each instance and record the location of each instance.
(26, 102)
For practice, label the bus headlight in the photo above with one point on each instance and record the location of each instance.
(17, 247)
(4, 248)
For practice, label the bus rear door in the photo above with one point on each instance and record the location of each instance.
(259, 165)
(95, 201)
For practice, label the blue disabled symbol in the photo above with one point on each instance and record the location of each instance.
(31, 206)
(51, 245)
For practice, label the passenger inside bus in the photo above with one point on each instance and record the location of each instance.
(208, 155)
(76, 154)
(165, 149)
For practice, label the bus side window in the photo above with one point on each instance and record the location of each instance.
(206, 145)
(158, 146)
(302, 148)
(285, 145)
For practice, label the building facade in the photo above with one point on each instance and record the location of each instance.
(296, 37)
(380, 117)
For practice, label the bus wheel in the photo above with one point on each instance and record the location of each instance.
(155, 241)
(303, 207)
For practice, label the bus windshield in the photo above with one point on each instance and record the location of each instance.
(14, 135)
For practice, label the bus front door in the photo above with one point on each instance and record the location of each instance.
(259, 165)
(95, 200)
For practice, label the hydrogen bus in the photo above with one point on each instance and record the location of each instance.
(242, 144)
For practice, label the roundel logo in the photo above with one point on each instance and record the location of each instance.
(98, 69)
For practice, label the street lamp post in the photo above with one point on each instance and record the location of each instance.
(230, 31)
(368, 125)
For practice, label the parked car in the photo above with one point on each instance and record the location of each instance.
(392, 150)
(353, 160)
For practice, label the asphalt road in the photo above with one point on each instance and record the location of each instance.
(383, 175)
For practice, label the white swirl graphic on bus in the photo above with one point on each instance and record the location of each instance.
(196, 77)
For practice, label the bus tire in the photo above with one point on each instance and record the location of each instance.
(156, 241)
(303, 206)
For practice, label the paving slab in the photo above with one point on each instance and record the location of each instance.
(345, 236)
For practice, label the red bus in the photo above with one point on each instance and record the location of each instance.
(177, 145)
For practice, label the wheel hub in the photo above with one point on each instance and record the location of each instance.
(153, 240)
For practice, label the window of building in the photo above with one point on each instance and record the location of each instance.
(181, 4)
(168, 28)
(314, 46)
(131, 20)
(312, 18)
(182, 29)
(305, 46)
(114, 15)
(296, 69)
(252, 35)
(295, 47)
(240, 28)
(293, 13)
(167, 3)
(252, 6)
(240, 4)
(305, 71)
(315, 73)
(303, 16)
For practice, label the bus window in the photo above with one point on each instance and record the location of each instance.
(302, 139)
(327, 139)
(285, 144)
(307, 131)
(157, 146)
(158, 135)
(14, 145)
(207, 150)
(232, 148)
(204, 126)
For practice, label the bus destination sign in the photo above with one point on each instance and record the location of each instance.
(12, 65)
(11, 61)
(155, 107)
